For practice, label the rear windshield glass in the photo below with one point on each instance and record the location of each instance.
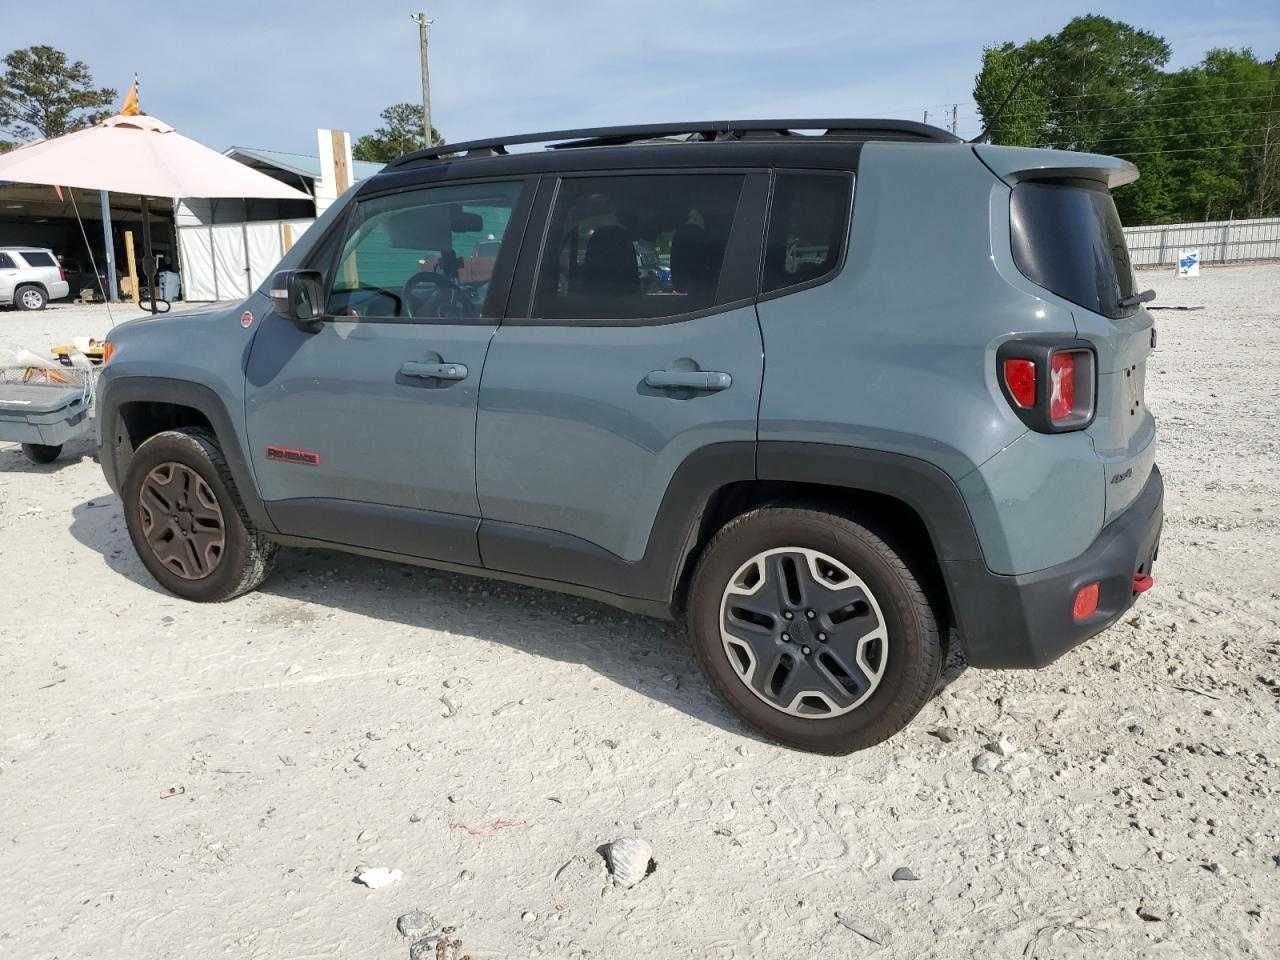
(36, 259)
(1067, 238)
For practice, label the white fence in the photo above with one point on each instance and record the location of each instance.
(1219, 241)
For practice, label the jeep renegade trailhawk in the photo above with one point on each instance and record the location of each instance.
(833, 391)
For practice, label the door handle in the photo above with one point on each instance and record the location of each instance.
(689, 379)
(436, 371)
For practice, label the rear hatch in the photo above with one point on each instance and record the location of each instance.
(1067, 238)
(42, 267)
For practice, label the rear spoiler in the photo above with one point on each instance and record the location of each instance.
(1012, 164)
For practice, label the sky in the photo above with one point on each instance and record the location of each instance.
(267, 74)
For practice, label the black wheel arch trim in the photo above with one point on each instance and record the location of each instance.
(922, 486)
(115, 393)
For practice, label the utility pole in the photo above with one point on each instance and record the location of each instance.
(926, 116)
(955, 121)
(424, 26)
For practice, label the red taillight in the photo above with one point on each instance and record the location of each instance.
(1020, 378)
(1086, 602)
(1062, 386)
(62, 274)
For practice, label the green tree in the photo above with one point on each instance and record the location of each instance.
(42, 94)
(1206, 138)
(400, 133)
(1223, 133)
(1009, 74)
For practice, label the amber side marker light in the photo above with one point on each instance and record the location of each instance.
(108, 351)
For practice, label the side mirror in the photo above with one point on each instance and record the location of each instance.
(298, 295)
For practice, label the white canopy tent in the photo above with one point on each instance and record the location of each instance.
(140, 155)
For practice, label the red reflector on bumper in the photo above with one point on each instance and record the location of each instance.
(1086, 602)
(1143, 582)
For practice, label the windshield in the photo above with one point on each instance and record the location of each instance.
(1068, 239)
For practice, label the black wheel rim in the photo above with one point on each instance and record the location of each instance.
(181, 521)
(803, 632)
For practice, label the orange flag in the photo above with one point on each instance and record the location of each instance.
(130, 106)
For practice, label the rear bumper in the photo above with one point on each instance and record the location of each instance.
(1026, 620)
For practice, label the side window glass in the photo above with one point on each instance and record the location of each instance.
(808, 222)
(423, 254)
(5, 262)
(635, 247)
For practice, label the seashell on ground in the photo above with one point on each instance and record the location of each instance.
(628, 859)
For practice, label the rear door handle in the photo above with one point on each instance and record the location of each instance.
(436, 371)
(689, 379)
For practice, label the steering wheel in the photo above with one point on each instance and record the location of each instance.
(431, 295)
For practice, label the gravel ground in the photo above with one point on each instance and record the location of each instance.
(190, 781)
(61, 321)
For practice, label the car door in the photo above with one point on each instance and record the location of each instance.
(637, 350)
(8, 278)
(363, 431)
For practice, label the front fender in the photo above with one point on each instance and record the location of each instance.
(115, 447)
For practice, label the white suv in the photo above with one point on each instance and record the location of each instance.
(30, 277)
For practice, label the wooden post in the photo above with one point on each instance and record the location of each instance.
(341, 172)
(286, 236)
(133, 267)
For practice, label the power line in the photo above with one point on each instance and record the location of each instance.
(1087, 96)
(1141, 121)
(1143, 153)
(1140, 105)
(1164, 136)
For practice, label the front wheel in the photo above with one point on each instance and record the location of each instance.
(185, 521)
(813, 629)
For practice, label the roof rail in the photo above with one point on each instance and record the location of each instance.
(705, 131)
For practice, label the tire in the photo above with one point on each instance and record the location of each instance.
(30, 297)
(204, 547)
(42, 452)
(863, 639)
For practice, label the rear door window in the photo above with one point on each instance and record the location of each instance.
(808, 223)
(35, 258)
(6, 263)
(1067, 238)
(633, 248)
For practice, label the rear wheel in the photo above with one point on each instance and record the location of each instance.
(30, 298)
(185, 520)
(42, 452)
(813, 629)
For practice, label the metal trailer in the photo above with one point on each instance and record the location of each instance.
(43, 414)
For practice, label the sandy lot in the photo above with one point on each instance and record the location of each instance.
(485, 739)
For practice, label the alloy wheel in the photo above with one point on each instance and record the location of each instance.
(32, 299)
(181, 520)
(803, 632)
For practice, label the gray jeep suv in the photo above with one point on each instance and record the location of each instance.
(838, 399)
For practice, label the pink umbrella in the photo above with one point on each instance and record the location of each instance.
(139, 155)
